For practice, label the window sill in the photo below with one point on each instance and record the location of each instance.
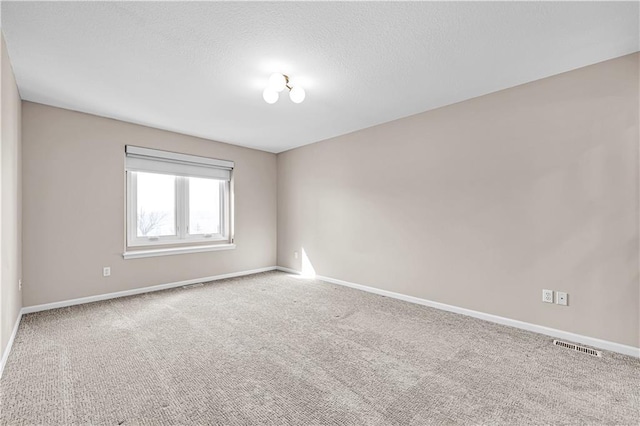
(136, 254)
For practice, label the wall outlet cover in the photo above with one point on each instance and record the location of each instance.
(106, 271)
(562, 298)
(547, 296)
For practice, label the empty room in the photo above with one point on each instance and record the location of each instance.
(320, 213)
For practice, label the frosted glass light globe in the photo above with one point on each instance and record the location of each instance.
(297, 94)
(277, 82)
(270, 96)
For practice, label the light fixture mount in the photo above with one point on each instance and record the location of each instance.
(277, 83)
(287, 85)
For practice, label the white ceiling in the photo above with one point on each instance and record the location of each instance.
(199, 68)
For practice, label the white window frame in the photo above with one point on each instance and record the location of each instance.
(182, 239)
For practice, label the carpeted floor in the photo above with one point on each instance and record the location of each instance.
(276, 349)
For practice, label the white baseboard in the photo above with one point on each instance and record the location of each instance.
(7, 350)
(560, 334)
(99, 297)
(289, 270)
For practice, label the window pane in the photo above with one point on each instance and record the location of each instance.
(156, 205)
(204, 206)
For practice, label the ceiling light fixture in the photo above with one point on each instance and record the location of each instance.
(277, 83)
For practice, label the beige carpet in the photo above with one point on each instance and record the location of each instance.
(276, 349)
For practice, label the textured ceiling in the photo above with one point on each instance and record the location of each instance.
(199, 68)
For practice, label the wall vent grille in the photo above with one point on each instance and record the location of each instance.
(578, 348)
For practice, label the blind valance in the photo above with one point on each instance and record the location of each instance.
(155, 161)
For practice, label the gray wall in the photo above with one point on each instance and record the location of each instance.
(484, 203)
(10, 200)
(74, 200)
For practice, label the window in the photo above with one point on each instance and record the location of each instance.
(176, 198)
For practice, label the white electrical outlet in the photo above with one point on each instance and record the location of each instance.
(562, 298)
(20, 285)
(547, 296)
(106, 271)
(295, 254)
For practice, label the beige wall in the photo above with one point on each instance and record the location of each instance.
(74, 189)
(484, 203)
(10, 201)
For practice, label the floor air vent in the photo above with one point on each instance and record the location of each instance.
(577, 348)
(188, 286)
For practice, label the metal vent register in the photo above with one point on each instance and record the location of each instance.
(578, 348)
(190, 286)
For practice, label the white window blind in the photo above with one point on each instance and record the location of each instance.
(155, 161)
